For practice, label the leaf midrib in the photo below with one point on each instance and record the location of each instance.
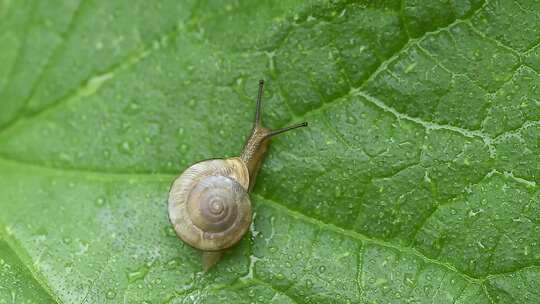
(168, 178)
(26, 260)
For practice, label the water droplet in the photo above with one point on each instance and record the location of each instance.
(138, 274)
(110, 294)
(280, 276)
(133, 108)
(100, 201)
(337, 190)
(126, 147)
(272, 249)
(410, 68)
(322, 269)
(169, 231)
(173, 263)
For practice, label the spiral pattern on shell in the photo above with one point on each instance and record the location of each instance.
(209, 206)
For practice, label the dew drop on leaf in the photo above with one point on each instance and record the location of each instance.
(110, 294)
(126, 147)
(169, 231)
(137, 274)
(100, 201)
(172, 264)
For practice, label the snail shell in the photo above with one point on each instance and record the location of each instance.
(209, 206)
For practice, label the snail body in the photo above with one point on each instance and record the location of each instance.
(209, 204)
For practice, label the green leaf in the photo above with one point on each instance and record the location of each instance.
(16, 283)
(416, 182)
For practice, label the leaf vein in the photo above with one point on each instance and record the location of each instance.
(106, 75)
(21, 253)
(363, 238)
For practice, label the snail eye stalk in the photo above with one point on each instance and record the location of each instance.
(257, 124)
(279, 131)
(259, 104)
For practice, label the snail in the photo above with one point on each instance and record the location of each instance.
(209, 205)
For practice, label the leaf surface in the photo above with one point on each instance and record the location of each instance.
(416, 182)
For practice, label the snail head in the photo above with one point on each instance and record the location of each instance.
(257, 143)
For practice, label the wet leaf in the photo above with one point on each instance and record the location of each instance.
(416, 182)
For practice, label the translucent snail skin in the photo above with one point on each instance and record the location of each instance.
(209, 205)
